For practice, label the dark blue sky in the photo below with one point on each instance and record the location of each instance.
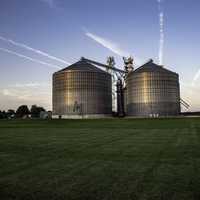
(58, 27)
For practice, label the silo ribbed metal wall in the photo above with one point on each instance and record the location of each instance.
(153, 94)
(90, 90)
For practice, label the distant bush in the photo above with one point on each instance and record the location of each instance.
(3, 115)
(22, 111)
(35, 111)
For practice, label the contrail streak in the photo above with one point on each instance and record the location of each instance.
(49, 2)
(162, 36)
(196, 77)
(28, 58)
(108, 44)
(33, 50)
(114, 47)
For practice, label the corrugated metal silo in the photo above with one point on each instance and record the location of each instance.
(82, 90)
(152, 91)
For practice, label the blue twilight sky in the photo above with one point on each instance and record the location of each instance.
(69, 29)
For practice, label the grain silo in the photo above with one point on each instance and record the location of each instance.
(152, 91)
(82, 90)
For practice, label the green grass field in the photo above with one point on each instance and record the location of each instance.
(100, 159)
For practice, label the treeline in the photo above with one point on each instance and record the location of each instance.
(24, 112)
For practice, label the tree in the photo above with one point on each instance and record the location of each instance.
(35, 111)
(10, 113)
(22, 111)
(3, 114)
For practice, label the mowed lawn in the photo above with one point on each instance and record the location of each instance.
(100, 159)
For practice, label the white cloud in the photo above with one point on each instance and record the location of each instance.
(26, 93)
(30, 85)
(7, 92)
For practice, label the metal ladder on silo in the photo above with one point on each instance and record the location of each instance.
(184, 103)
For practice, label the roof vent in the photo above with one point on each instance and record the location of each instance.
(151, 61)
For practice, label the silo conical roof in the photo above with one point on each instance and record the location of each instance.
(152, 67)
(82, 65)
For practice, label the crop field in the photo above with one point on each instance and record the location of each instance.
(100, 159)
